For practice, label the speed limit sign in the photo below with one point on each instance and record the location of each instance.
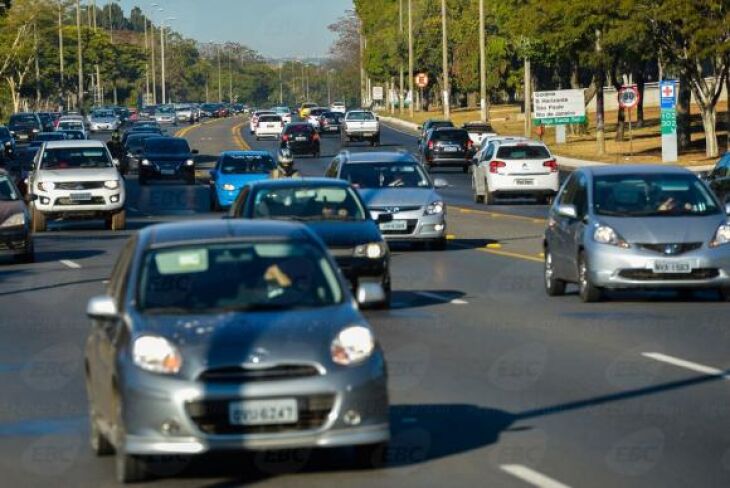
(421, 80)
(628, 96)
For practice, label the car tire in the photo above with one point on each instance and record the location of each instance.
(725, 294)
(371, 456)
(130, 468)
(117, 221)
(547, 199)
(28, 256)
(489, 198)
(438, 244)
(587, 291)
(214, 205)
(478, 198)
(39, 221)
(98, 442)
(553, 286)
(465, 168)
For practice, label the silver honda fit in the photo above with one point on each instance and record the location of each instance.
(231, 335)
(636, 227)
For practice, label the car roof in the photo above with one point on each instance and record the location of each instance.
(379, 157)
(520, 142)
(77, 143)
(191, 232)
(628, 169)
(300, 183)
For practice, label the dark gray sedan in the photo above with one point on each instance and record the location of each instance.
(221, 335)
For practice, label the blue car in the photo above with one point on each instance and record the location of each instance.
(233, 171)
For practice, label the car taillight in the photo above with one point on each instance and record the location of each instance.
(430, 145)
(495, 165)
(469, 144)
(552, 164)
(315, 137)
(285, 137)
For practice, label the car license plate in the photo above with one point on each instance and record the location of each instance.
(367, 134)
(22, 136)
(263, 412)
(300, 138)
(451, 149)
(662, 267)
(80, 197)
(394, 225)
(524, 181)
(167, 172)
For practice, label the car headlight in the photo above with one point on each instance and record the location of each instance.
(229, 187)
(46, 185)
(352, 345)
(604, 234)
(111, 184)
(36, 131)
(722, 235)
(156, 354)
(190, 162)
(372, 250)
(145, 162)
(435, 208)
(14, 220)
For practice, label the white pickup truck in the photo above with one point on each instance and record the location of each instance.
(360, 125)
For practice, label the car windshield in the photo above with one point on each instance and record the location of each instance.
(237, 276)
(360, 116)
(137, 142)
(237, 164)
(23, 120)
(4, 133)
(308, 203)
(386, 175)
(7, 190)
(652, 195)
(523, 151)
(75, 157)
(166, 146)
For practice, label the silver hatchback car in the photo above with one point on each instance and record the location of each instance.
(617, 227)
(225, 335)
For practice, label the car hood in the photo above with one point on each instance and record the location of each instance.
(346, 234)
(398, 197)
(226, 340)
(8, 209)
(665, 230)
(86, 174)
(239, 180)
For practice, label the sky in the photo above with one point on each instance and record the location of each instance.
(274, 28)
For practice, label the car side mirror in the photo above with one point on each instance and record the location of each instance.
(384, 218)
(370, 294)
(115, 161)
(194, 151)
(102, 308)
(727, 208)
(440, 183)
(566, 210)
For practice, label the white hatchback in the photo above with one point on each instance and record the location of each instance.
(255, 119)
(269, 126)
(516, 168)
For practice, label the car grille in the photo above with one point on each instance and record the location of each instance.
(342, 252)
(238, 374)
(12, 245)
(80, 185)
(68, 201)
(642, 274)
(672, 249)
(211, 416)
(392, 209)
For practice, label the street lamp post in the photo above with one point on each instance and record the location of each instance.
(410, 57)
(230, 78)
(482, 65)
(80, 62)
(60, 50)
(445, 61)
(163, 28)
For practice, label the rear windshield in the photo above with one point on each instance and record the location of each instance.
(316, 111)
(71, 124)
(236, 164)
(440, 123)
(523, 152)
(103, 114)
(479, 129)
(75, 157)
(360, 116)
(299, 129)
(167, 146)
(270, 118)
(457, 135)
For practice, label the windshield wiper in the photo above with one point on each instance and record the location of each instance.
(171, 310)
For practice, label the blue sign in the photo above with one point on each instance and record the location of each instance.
(667, 92)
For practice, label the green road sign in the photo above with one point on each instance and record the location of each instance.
(578, 119)
(669, 121)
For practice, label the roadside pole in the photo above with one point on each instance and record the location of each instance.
(667, 94)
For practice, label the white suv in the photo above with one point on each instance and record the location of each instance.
(76, 179)
(269, 126)
(515, 168)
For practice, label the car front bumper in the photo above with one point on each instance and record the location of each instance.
(151, 401)
(614, 267)
(59, 202)
(419, 227)
(154, 171)
(14, 241)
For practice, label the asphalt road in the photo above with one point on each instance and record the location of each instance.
(491, 382)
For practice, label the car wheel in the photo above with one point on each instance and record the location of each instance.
(118, 221)
(371, 456)
(98, 442)
(214, 205)
(39, 220)
(553, 286)
(129, 468)
(725, 294)
(489, 198)
(28, 256)
(465, 168)
(586, 289)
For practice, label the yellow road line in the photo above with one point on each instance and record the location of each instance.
(240, 141)
(498, 215)
(527, 257)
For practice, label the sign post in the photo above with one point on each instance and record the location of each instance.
(378, 93)
(628, 98)
(558, 108)
(421, 83)
(667, 94)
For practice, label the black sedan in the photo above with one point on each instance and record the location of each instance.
(301, 138)
(447, 147)
(335, 212)
(167, 158)
(15, 236)
(24, 126)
